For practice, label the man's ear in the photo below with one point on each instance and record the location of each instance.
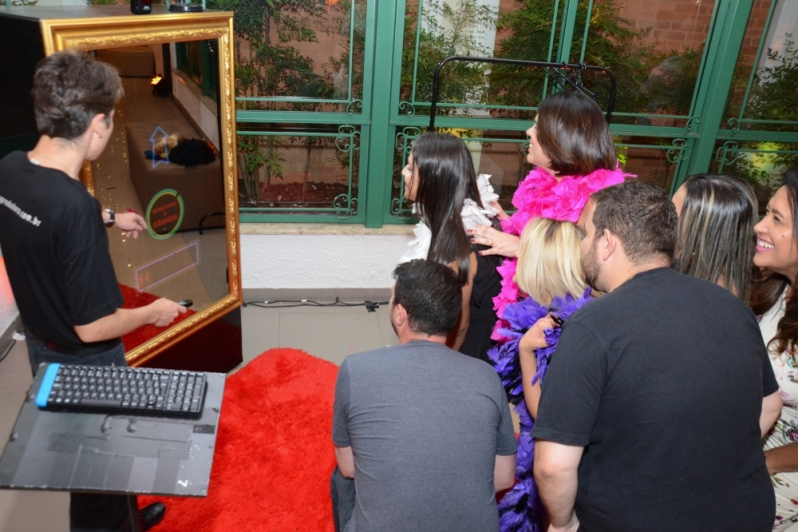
(399, 314)
(609, 245)
(99, 123)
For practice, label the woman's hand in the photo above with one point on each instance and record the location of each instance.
(535, 337)
(498, 242)
(501, 214)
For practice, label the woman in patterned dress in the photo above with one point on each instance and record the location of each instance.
(777, 256)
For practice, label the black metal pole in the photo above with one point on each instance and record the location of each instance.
(520, 62)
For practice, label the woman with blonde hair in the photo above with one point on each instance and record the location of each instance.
(550, 273)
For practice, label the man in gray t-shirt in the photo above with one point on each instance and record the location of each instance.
(424, 430)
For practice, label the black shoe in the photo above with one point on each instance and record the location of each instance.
(152, 515)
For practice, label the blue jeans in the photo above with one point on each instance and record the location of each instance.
(342, 493)
(88, 512)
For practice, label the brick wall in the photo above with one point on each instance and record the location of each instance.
(676, 24)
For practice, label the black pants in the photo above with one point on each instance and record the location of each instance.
(88, 512)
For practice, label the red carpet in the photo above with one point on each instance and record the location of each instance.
(135, 299)
(274, 452)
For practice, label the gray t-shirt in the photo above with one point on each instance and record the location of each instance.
(425, 424)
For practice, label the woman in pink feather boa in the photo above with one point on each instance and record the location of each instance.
(571, 148)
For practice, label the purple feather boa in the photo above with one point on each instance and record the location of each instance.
(521, 508)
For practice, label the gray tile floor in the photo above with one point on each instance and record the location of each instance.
(328, 333)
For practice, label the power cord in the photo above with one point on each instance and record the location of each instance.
(371, 306)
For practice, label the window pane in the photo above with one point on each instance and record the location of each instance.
(763, 95)
(759, 163)
(296, 169)
(308, 49)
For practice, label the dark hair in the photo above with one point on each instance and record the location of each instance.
(69, 89)
(641, 216)
(574, 135)
(446, 178)
(768, 285)
(716, 231)
(431, 294)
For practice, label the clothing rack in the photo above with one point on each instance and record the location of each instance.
(572, 77)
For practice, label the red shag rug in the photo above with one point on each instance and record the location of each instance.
(274, 452)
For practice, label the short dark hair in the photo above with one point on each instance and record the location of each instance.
(574, 135)
(641, 216)
(69, 89)
(430, 293)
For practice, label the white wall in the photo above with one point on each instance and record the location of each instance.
(200, 112)
(317, 261)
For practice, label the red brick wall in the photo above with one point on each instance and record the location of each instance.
(678, 23)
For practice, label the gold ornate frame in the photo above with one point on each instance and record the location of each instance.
(121, 28)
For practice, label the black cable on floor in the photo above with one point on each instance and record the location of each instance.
(371, 306)
(10, 347)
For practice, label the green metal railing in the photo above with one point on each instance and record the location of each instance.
(387, 116)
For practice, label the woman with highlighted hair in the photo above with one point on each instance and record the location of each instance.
(717, 214)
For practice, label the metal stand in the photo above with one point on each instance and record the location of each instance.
(572, 77)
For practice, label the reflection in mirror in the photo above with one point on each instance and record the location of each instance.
(163, 162)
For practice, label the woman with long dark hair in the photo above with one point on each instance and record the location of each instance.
(449, 198)
(716, 231)
(571, 148)
(773, 297)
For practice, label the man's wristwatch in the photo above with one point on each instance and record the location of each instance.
(111, 218)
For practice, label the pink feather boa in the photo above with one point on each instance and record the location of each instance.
(540, 195)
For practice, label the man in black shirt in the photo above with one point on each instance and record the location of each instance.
(652, 410)
(56, 248)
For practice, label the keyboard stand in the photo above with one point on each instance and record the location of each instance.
(111, 454)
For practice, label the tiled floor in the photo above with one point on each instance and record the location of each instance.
(328, 333)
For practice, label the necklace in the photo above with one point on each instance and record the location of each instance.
(61, 166)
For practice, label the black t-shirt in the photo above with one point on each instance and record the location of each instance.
(56, 250)
(662, 381)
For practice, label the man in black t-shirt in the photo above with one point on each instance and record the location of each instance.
(657, 396)
(55, 245)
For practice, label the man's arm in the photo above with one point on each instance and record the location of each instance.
(504, 472)
(159, 313)
(130, 223)
(556, 477)
(346, 461)
(771, 408)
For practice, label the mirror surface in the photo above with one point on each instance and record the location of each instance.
(163, 162)
(190, 251)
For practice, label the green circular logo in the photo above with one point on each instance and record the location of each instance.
(165, 214)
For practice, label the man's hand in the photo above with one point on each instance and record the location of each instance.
(164, 311)
(130, 223)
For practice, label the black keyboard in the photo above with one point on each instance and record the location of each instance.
(121, 390)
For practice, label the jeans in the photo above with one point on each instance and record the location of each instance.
(88, 512)
(342, 493)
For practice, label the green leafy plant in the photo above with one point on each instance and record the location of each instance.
(773, 98)
(269, 64)
(612, 43)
